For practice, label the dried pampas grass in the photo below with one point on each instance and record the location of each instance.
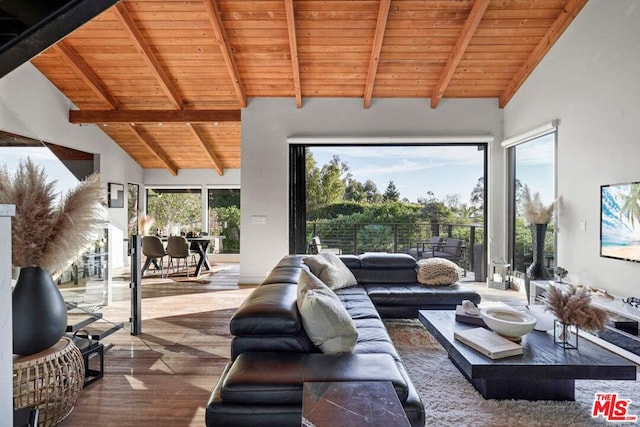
(46, 233)
(574, 308)
(144, 223)
(533, 210)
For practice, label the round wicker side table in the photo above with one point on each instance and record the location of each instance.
(50, 380)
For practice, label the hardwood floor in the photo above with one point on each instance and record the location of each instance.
(163, 377)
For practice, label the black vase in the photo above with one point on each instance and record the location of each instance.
(537, 269)
(39, 312)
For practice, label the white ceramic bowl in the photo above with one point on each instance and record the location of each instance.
(508, 322)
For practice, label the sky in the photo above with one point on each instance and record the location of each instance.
(11, 157)
(534, 166)
(414, 170)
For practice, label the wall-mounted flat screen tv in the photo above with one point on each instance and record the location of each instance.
(620, 221)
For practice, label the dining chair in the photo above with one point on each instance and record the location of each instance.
(152, 247)
(178, 248)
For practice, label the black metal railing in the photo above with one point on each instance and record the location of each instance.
(393, 237)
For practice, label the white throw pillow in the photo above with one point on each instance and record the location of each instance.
(331, 270)
(324, 317)
(437, 271)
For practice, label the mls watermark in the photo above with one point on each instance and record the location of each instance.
(612, 408)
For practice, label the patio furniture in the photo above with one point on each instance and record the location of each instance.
(315, 247)
(426, 246)
(451, 249)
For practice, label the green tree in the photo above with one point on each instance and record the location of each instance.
(391, 194)
(435, 210)
(175, 209)
(324, 184)
(354, 191)
(226, 222)
(371, 193)
(359, 192)
(464, 214)
(452, 201)
(477, 195)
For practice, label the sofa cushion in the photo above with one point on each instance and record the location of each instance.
(417, 295)
(437, 271)
(383, 267)
(274, 378)
(389, 277)
(324, 317)
(351, 261)
(331, 270)
(283, 275)
(357, 303)
(387, 261)
(268, 310)
(291, 261)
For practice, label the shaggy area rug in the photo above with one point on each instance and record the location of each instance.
(450, 400)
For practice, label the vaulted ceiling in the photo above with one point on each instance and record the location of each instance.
(167, 80)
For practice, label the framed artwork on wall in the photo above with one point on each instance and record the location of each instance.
(116, 195)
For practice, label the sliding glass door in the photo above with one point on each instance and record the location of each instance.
(389, 198)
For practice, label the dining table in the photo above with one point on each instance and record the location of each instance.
(199, 244)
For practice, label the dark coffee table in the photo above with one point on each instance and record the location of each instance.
(544, 372)
(365, 403)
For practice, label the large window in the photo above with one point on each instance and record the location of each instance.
(532, 167)
(224, 218)
(175, 210)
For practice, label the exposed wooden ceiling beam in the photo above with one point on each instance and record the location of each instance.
(225, 50)
(153, 116)
(469, 28)
(554, 32)
(293, 45)
(381, 25)
(155, 150)
(85, 73)
(199, 135)
(165, 82)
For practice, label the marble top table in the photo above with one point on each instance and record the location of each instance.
(364, 403)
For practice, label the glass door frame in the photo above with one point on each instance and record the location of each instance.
(511, 187)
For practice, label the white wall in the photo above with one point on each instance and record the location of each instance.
(590, 80)
(267, 122)
(39, 110)
(209, 177)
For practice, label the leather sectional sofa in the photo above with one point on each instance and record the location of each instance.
(272, 356)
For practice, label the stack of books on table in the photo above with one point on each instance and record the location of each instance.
(488, 343)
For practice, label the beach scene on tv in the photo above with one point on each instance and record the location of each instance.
(620, 221)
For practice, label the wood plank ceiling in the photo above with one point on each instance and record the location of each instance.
(167, 80)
